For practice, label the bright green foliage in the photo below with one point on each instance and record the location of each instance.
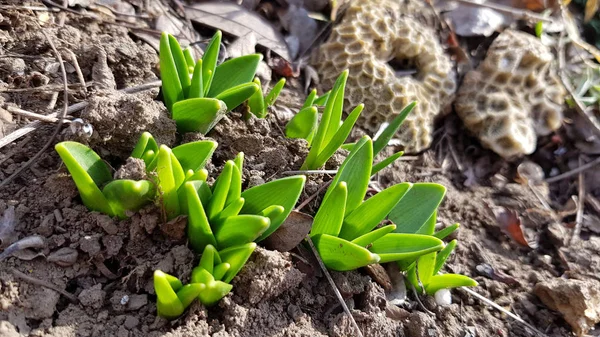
(185, 163)
(325, 137)
(172, 297)
(217, 269)
(222, 216)
(258, 104)
(199, 94)
(90, 173)
(424, 274)
(344, 227)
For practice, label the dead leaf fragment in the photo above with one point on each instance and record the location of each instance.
(238, 21)
(591, 7)
(510, 223)
(293, 230)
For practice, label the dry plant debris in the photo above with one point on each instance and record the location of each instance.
(371, 39)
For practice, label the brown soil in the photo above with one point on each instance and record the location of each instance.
(276, 294)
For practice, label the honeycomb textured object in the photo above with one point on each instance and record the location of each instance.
(373, 36)
(513, 97)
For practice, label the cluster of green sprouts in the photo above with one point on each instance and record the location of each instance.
(224, 222)
(199, 93)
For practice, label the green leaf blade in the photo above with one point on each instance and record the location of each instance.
(209, 60)
(330, 216)
(235, 96)
(236, 257)
(172, 89)
(381, 142)
(180, 64)
(128, 195)
(341, 255)
(199, 230)
(240, 229)
(397, 246)
(234, 72)
(368, 238)
(194, 155)
(198, 114)
(447, 281)
(274, 93)
(417, 206)
(303, 124)
(197, 85)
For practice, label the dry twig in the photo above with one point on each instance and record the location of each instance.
(573, 172)
(580, 207)
(60, 119)
(335, 289)
(44, 284)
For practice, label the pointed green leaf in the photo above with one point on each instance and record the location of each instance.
(356, 172)
(220, 191)
(240, 229)
(236, 257)
(88, 172)
(322, 100)
(189, 59)
(189, 292)
(447, 281)
(330, 215)
(389, 132)
(194, 155)
(443, 255)
(336, 99)
(272, 96)
(338, 138)
(256, 102)
(235, 96)
(367, 239)
(168, 175)
(209, 60)
(214, 291)
(442, 234)
(231, 73)
(429, 226)
(145, 143)
(272, 212)
(319, 140)
(371, 212)
(396, 246)
(198, 114)
(425, 267)
(198, 229)
(283, 192)
(221, 270)
(309, 99)
(181, 65)
(384, 163)
(341, 255)
(411, 276)
(202, 191)
(196, 85)
(128, 195)
(235, 186)
(303, 124)
(230, 210)
(170, 304)
(417, 206)
(200, 175)
(209, 259)
(172, 89)
(239, 161)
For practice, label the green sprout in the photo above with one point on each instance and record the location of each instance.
(173, 168)
(90, 173)
(198, 94)
(258, 104)
(417, 213)
(172, 297)
(217, 269)
(223, 216)
(344, 228)
(424, 273)
(328, 135)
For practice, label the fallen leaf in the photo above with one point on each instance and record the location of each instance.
(510, 222)
(591, 7)
(238, 21)
(293, 230)
(469, 20)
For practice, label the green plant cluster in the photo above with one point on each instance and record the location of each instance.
(199, 93)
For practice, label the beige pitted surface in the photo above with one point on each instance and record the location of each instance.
(514, 95)
(373, 33)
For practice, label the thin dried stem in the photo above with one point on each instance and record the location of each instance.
(60, 119)
(309, 199)
(33, 115)
(335, 289)
(580, 207)
(573, 172)
(44, 284)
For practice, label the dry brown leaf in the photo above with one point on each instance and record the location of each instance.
(591, 7)
(238, 21)
(510, 222)
(293, 230)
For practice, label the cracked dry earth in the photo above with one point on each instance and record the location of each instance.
(276, 294)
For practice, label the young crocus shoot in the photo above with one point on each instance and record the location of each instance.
(90, 173)
(330, 133)
(198, 94)
(216, 269)
(384, 138)
(173, 168)
(223, 216)
(258, 104)
(172, 297)
(425, 275)
(344, 228)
